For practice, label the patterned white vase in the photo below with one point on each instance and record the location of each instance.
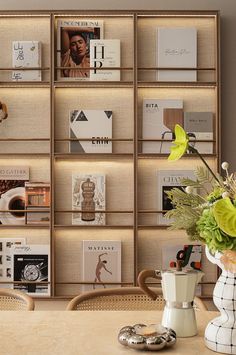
(220, 333)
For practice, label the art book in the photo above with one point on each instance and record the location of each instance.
(166, 181)
(37, 196)
(176, 48)
(73, 47)
(12, 193)
(88, 197)
(189, 254)
(101, 263)
(6, 245)
(199, 126)
(31, 263)
(95, 125)
(105, 53)
(26, 54)
(154, 126)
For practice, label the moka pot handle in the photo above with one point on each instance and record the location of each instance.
(143, 275)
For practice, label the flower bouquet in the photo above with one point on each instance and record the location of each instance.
(206, 210)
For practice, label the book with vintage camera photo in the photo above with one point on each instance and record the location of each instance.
(95, 125)
(89, 198)
(101, 263)
(12, 194)
(156, 125)
(6, 245)
(26, 54)
(166, 181)
(176, 48)
(105, 53)
(31, 263)
(37, 196)
(73, 47)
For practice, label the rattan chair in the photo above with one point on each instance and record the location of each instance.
(13, 300)
(122, 299)
(116, 299)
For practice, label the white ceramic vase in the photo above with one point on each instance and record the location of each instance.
(220, 333)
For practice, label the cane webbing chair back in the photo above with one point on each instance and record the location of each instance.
(116, 299)
(13, 300)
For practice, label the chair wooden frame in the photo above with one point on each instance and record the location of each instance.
(124, 298)
(14, 300)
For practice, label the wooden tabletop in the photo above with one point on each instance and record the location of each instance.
(85, 333)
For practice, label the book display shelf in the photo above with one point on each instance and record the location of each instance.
(38, 133)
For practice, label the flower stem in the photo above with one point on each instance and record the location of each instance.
(194, 150)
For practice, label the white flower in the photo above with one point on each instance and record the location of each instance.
(189, 189)
(225, 165)
(225, 194)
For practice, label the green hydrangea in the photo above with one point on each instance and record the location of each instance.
(210, 233)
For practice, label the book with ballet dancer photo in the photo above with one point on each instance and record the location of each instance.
(101, 263)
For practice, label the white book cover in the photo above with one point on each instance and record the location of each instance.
(101, 263)
(32, 263)
(153, 124)
(12, 193)
(26, 54)
(73, 47)
(88, 196)
(176, 48)
(199, 126)
(92, 124)
(105, 53)
(6, 271)
(166, 181)
(189, 254)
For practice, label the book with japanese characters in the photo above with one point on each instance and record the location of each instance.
(105, 53)
(176, 48)
(94, 125)
(31, 263)
(26, 54)
(12, 193)
(166, 181)
(89, 198)
(101, 263)
(154, 125)
(73, 47)
(199, 126)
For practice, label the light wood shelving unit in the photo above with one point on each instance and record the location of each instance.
(36, 134)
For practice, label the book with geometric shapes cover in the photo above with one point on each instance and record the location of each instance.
(166, 181)
(31, 263)
(101, 263)
(105, 53)
(12, 193)
(95, 125)
(73, 47)
(88, 197)
(26, 54)
(154, 126)
(176, 48)
(6, 245)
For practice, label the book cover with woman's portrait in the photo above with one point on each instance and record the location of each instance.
(73, 47)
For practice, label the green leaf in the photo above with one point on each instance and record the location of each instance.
(180, 144)
(225, 215)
